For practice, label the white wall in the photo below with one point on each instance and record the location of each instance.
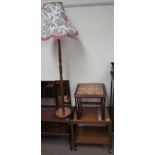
(85, 58)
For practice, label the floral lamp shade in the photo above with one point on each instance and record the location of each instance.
(56, 23)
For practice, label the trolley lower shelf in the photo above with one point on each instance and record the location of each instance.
(91, 128)
(92, 135)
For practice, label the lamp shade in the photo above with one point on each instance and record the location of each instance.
(56, 24)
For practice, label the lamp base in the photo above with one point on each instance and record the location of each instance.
(67, 112)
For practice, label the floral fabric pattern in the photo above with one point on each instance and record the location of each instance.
(56, 23)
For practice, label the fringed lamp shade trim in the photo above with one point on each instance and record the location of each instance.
(56, 24)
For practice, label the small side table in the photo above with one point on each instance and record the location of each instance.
(89, 90)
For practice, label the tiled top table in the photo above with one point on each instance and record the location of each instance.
(89, 90)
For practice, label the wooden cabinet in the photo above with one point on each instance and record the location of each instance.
(48, 94)
(94, 126)
(51, 125)
(54, 126)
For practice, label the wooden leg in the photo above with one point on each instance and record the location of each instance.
(75, 147)
(110, 137)
(72, 136)
(103, 107)
(78, 108)
(111, 96)
(80, 101)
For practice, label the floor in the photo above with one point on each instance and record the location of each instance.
(60, 146)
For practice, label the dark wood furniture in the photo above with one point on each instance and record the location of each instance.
(92, 128)
(51, 125)
(48, 94)
(85, 91)
(112, 94)
(94, 125)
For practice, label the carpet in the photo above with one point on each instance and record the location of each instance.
(60, 146)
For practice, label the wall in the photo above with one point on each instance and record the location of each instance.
(85, 58)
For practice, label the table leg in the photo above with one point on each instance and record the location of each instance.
(110, 137)
(103, 107)
(72, 136)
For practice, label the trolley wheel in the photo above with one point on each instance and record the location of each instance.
(110, 150)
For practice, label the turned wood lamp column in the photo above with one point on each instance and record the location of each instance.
(62, 112)
(57, 25)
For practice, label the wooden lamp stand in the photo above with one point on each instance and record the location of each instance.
(62, 112)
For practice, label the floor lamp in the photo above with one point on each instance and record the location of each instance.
(57, 25)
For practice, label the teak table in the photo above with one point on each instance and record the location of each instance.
(87, 91)
(92, 128)
(91, 125)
